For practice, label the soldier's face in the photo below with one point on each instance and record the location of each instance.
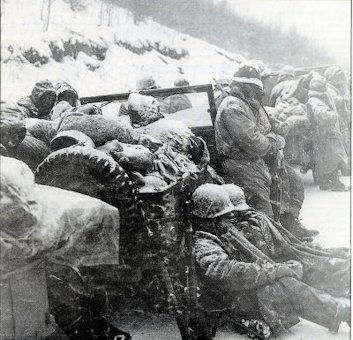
(70, 99)
(12, 137)
(47, 101)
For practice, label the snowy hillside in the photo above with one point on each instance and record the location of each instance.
(98, 49)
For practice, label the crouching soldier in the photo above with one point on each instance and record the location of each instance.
(40, 102)
(249, 281)
(325, 269)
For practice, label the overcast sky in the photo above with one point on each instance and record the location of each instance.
(327, 21)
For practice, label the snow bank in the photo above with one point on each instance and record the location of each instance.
(98, 50)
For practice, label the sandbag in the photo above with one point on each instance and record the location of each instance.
(62, 226)
(98, 128)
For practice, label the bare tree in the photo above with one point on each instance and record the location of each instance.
(45, 13)
(77, 5)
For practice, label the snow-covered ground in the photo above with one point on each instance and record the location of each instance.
(326, 211)
(131, 51)
(106, 51)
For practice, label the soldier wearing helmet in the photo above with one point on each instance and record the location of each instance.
(330, 154)
(181, 82)
(249, 148)
(146, 83)
(40, 102)
(167, 104)
(338, 91)
(239, 276)
(285, 76)
(221, 89)
(178, 102)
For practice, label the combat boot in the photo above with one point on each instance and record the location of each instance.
(343, 315)
(294, 226)
(331, 182)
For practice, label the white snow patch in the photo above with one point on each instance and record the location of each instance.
(110, 27)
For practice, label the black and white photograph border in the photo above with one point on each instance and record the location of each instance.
(175, 169)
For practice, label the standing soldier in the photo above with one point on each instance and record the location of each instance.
(337, 90)
(285, 74)
(244, 138)
(330, 154)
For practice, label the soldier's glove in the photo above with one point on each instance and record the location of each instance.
(89, 109)
(282, 270)
(196, 149)
(296, 266)
(151, 143)
(278, 141)
(257, 329)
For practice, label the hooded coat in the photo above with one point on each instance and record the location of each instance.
(34, 106)
(12, 125)
(342, 106)
(297, 88)
(242, 140)
(63, 88)
(330, 154)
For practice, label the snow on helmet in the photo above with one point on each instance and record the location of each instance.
(181, 82)
(143, 110)
(210, 201)
(236, 196)
(146, 83)
(68, 138)
(286, 71)
(332, 72)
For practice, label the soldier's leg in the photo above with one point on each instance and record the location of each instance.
(254, 179)
(316, 306)
(293, 198)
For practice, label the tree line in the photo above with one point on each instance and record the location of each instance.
(216, 23)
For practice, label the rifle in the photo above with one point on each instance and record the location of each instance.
(224, 93)
(278, 184)
(164, 274)
(197, 324)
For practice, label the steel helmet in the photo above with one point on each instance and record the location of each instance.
(210, 201)
(146, 83)
(181, 82)
(236, 196)
(286, 71)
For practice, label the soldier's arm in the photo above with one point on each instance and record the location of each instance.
(322, 113)
(244, 132)
(230, 274)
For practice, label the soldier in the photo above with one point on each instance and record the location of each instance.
(325, 269)
(221, 89)
(146, 83)
(181, 82)
(291, 87)
(243, 139)
(65, 92)
(40, 102)
(337, 90)
(167, 104)
(25, 139)
(330, 154)
(179, 102)
(285, 74)
(247, 280)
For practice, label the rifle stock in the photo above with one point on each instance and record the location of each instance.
(198, 327)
